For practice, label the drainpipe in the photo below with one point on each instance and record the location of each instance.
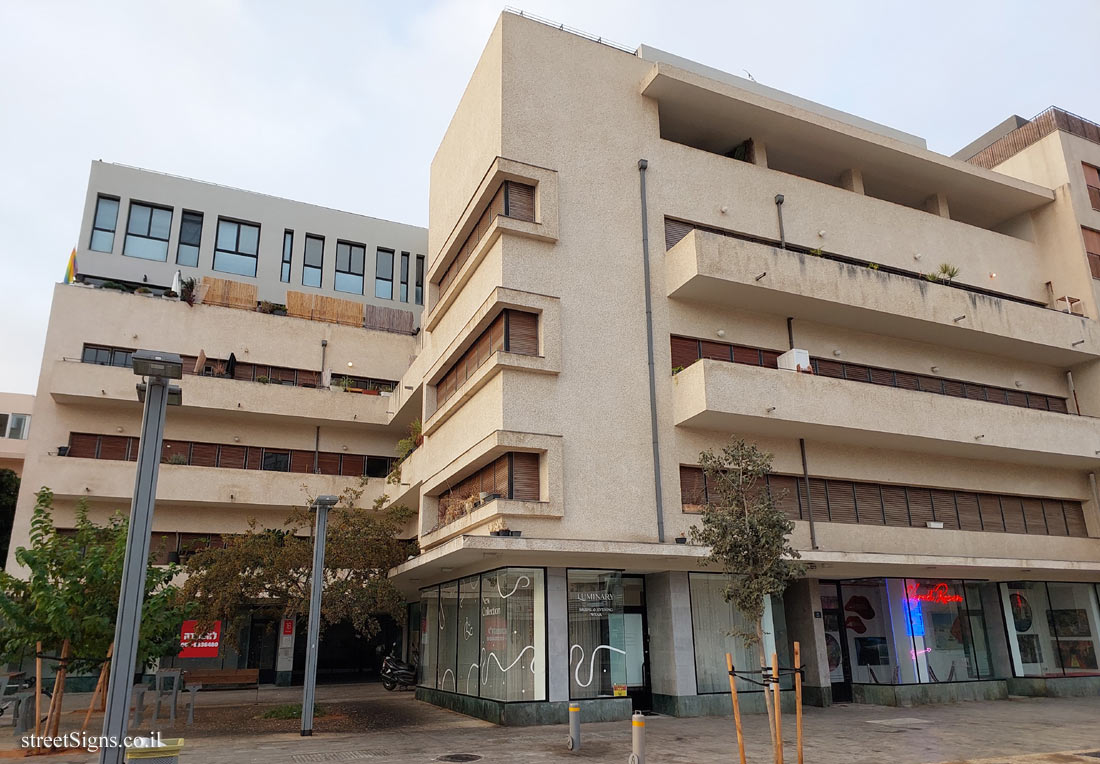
(642, 166)
(779, 212)
(1073, 392)
(324, 347)
(801, 441)
(316, 449)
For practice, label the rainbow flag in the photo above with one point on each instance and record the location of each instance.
(70, 269)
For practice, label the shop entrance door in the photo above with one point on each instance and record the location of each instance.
(636, 638)
(836, 641)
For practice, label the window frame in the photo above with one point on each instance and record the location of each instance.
(100, 198)
(24, 432)
(287, 262)
(349, 271)
(379, 280)
(319, 268)
(255, 257)
(404, 290)
(418, 291)
(180, 243)
(148, 230)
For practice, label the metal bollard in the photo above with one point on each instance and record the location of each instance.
(637, 723)
(574, 743)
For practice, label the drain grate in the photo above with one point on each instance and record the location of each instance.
(309, 758)
(459, 757)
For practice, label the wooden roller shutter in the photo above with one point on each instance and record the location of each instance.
(309, 378)
(496, 334)
(830, 368)
(930, 384)
(1036, 401)
(301, 461)
(255, 459)
(204, 454)
(717, 351)
(920, 506)
(1075, 519)
(857, 373)
(674, 231)
(953, 388)
(970, 518)
(243, 371)
(906, 381)
(842, 501)
(1056, 519)
(869, 504)
(1014, 398)
(161, 545)
(943, 508)
(328, 463)
(521, 201)
(1033, 516)
(769, 359)
(999, 395)
(189, 363)
(500, 476)
(1057, 404)
(232, 457)
(497, 207)
(750, 356)
(113, 447)
(83, 445)
(990, 508)
(975, 392)
(481, 349)
(172, 448)
(783, 489)
(134, 443)
(819, 499)
(1013, 512)
(882, 377)
(525, 476)
(353, 465)
(523, 332)
(279, 374)
(894, 506)
(685, 351)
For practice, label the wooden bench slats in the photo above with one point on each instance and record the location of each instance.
(220, 677)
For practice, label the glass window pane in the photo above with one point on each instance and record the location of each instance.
(139, 219)
(513, 635)
(250, 239)
(713, 621)
(448, 637)
(277, 461)
(384, 264)
(469, 627)
(314, 251)
(343, 256)
(357, 257)
(106, 214)
(383, 289)
(1075, 625)
(161, 223)
(227, 235)
(188, 255)
(311, 277)
(147, 249)
(191, 229)
(284, 274)
(102, 241)
(347, 282)
(3, 425)
(288, 245)
(18, 426)
(227, 262)
(871, 640)
(596, 637)
(429, 636)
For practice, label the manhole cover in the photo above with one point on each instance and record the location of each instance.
(459, 757)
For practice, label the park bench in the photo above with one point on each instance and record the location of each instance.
(210, 679)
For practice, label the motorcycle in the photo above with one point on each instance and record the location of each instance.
(397, 673)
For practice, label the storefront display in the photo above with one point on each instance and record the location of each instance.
(1054, 628)
(597, 637)
(715, 624)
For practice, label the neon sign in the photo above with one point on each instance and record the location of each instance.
(914, 652)
(938, 594)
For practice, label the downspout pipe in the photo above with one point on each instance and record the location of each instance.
(1073, 392)
(643, 165)
(801, 441)
(779, 212)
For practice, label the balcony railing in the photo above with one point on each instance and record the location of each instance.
(1040, 126)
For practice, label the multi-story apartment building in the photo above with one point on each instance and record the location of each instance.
(630, 253)
(303, 319)
(15, 427)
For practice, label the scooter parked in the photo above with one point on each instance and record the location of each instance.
(396, 672)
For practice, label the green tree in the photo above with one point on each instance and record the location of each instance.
(748, 538)
(9, 492)
(268, 570)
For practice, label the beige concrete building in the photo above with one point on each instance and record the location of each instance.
(15, 427)
(936, 454)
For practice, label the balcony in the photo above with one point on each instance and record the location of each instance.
(90, 384)
(77, 478)
(722, 270)
(728, 397)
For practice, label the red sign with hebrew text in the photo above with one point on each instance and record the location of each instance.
(194, 645)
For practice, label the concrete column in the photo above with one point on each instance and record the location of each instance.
(852, 180)
(671, 648)
(802, 607)
(759, 153)
(284, 658)
(937, 205)
(557, 635)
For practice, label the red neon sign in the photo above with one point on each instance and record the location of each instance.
(937, 594)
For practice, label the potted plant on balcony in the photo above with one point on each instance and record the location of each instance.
(177, 459)
(263, 380)
(682, 538)
(187, 291)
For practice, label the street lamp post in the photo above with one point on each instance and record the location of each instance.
(321, 505)
(158, 368)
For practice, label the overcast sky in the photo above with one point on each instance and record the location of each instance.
(344, 103)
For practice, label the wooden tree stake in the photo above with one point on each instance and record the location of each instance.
(778, 711)
(37, 691)
(736, 708)
(798, 696)
(99, 688)
(54, 722)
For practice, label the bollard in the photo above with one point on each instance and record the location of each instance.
(637, 723)
(574, 728)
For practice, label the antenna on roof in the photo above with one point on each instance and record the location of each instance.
(746, 71)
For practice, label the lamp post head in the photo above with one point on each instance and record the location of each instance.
(327, 501)
(154, 363)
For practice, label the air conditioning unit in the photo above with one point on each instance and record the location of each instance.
(795, 360)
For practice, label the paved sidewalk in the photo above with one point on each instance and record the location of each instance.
(999, 732)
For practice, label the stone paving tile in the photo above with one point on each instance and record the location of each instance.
(998, 732)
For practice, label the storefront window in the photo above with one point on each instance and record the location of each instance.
(597, 649)
(486, 635)
(716, 624)
(1053, 628)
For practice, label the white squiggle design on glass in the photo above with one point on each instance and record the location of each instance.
(469, 674)
(467, 629)
(513, 663)
(521, 581)
(591, 662)
(454, 684)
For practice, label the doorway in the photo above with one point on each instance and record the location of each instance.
(836, 641)
(636, 643)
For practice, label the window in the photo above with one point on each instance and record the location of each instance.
(190, 233)
(513, 331)
(288, 250)
(596, 633)
(147, 232)
(103, 226)
(314, 261)
(714, 621)
(18, 426)
(1092, 250)
(276, 461)
(349, 267)
(404, 277)
(378, 466)
(106, 356)
(383, 274)
(419, 296)
(237, 247)
(1092, 183)
(1054, 628)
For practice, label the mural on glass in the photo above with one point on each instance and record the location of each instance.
(715, 623)
(1053, 628)
(597, 649)
(469, 630)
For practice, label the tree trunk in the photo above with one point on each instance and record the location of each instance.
(765, 673)
(54, 720)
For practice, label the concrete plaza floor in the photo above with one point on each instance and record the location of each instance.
(394, 727)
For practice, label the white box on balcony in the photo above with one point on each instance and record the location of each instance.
(795, 360)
